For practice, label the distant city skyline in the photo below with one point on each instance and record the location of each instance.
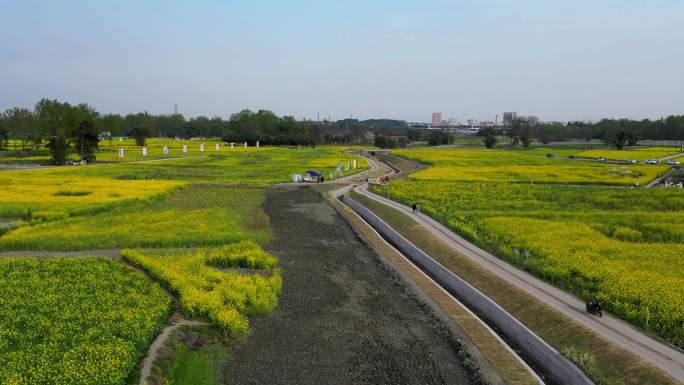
(394, 59)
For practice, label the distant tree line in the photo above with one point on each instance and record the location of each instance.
(613, 132)
(64, 128)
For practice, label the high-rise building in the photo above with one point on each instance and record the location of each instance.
(436, 118)
(509, 117)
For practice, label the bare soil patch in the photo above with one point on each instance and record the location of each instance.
(342, 318)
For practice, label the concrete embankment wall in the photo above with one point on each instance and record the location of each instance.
(563, 371)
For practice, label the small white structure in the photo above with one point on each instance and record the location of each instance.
(144, 151)
(185, 149)
(165, 150)
(245, 144)
(218, 146)
(257, 145)
(121, 153)
(201, 147)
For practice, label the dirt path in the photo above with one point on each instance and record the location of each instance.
(109, 253)
(617, 331)
(175, 322)
(342, 317)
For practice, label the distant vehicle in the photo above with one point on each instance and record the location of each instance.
(632, 161)
(550, 155)
(601, 159)
(311, 176)
(672, 162)
(651, 161)
(71, 163)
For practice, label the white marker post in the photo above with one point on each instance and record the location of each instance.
(257, 144)
(165, 150)
(232, 145)
(202, 147)
(144, 151)
(185, 149)
(218, 147)
(121, 153)
(245, 144)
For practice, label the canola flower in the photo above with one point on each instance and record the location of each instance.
(75, 321)
(623, 245)
(226, 296)
(53, 193)
(521, 166)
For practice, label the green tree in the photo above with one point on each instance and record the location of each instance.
(620, 140)
(86, 140)
(413, 135)
(4, 134)
(526, 140)
(113, 124)
(384, 142)
(490, 141)
(53, 119)
(438, 138)
(141, 133)
(20, 125)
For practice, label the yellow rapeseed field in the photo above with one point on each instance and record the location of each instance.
(621, 244)
(75, 321)
(225, 297)
(54, 192)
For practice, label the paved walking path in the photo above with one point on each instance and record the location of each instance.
(617, 331)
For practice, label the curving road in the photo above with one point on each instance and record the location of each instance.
(617, 331)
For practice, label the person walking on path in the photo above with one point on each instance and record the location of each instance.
(414, 207)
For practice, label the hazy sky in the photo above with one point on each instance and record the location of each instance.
(559, 60)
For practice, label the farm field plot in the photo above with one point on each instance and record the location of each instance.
(224, 297)
(195, 215)
(75, 321)
(264, 165)
(195, 225)
(636, 153)
(622, 245)
(52, 193)
(524, 166)
(109, 152)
